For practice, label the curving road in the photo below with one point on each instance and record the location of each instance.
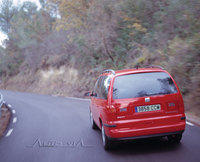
(56, 129)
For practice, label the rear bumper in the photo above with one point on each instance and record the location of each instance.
(145, 136)
(140, 128)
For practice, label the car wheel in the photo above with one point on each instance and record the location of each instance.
(93, 124)
(175, 138)
(106, 142)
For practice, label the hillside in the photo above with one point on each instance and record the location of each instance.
(61, 48)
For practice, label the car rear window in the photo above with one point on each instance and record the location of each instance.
(143, 84)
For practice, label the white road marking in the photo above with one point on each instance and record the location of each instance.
(9, 132)
(75, 98)
(9, 105)
(14, 119)
(188, 123)
(13, 111)
(83, 99)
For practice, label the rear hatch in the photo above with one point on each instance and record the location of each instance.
(145, 95)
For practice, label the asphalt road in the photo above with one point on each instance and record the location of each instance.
(57, 129)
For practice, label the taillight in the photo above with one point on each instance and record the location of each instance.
(111, 109)
(118, 108)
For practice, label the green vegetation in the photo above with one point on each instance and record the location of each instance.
(75, 40)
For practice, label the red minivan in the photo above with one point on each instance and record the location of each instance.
(137, 103)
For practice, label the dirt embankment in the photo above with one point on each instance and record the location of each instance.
(4, 120)
(70, 82)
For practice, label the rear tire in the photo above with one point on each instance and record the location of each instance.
(175, 138)
(93, 124)
(106, 142)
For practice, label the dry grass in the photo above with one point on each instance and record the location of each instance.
(64, 81)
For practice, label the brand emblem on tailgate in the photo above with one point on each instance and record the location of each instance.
(147, 99)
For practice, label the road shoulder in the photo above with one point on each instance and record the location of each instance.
(193, 118)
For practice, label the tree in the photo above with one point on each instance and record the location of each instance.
(30, 25)
(73, 13)
(7, 11)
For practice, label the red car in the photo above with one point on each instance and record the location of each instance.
(137, 103)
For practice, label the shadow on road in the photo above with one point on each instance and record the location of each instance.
(143, 146)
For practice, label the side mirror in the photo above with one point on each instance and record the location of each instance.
(87, 94)
(93, 94)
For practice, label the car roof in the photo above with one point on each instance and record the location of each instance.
(131, 71)
(140, 70)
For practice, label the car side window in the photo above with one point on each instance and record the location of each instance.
(99, 93)
(102, 86)
(105, 86)
(97, 87)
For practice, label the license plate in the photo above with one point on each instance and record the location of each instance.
(147, 108)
